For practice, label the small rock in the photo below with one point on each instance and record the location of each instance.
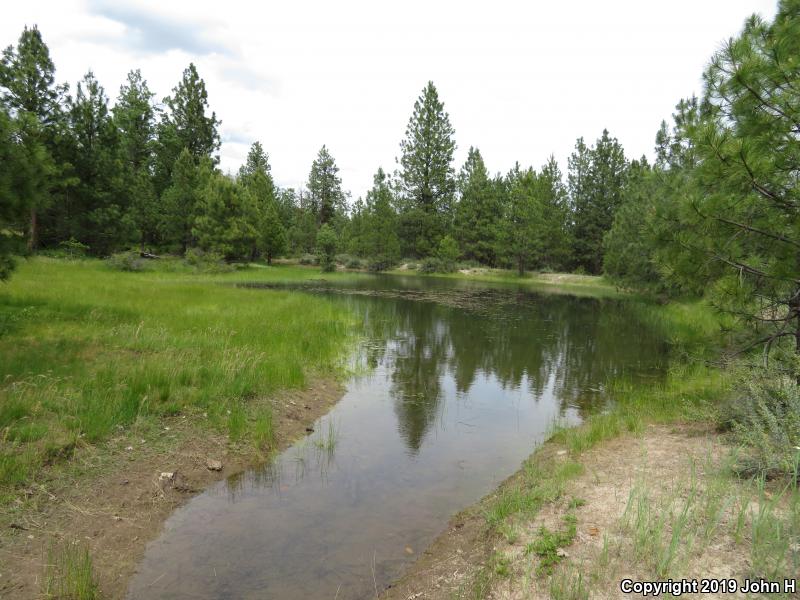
(409, 550)
(124, 482)
(214, 465)
(116, 518)
(129, 448)
(562, 553)
(561, 452)
(167, 476)
(30, 537)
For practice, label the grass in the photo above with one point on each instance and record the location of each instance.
(548, 543)
(68, 574)
(87, 352)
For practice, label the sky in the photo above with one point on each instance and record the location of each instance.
(520, 80)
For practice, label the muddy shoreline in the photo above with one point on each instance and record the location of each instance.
(113, 499)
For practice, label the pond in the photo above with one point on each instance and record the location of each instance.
(457, 384)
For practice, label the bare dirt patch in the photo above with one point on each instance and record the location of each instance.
(620, 501)
(114, 498)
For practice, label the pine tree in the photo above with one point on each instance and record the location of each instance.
(180, 200)
(326, 247)
(325, 187)
(101, 222)
(742, 223)
(271, 234)
(381, 244)
(31, 97)
(221, 225)
(134, 117)
(553, 227)
(186, 125)
(596, 179)
(519, 240)
(478, 211)
(262, 210)
(427, 182)
(13, 205)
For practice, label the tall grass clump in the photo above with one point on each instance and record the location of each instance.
(68, 574)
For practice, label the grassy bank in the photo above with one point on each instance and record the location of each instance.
(87, 350)
(566, 282)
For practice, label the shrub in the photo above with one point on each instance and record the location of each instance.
(437, 265)
(126, 261)
(354, 263)
(72, 248)
(326, 247)
(380, 263)
(308, 259)
(207, 262)
(764, 415)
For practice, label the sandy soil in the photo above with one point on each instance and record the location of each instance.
(663, 458)
(114, 498)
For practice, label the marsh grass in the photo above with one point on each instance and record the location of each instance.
(87, 352)
(327, 440)
(68, 573)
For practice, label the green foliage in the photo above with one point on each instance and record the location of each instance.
(629, 246)
(477, 215)
(272, 235)
(448, 253)
(126, 261)
(182, 198)
(185, 126)
(379, 238)
(99, 219)
(12, 208)
(326, 247)
(764, 415)
(325, 188)
(222, 223)
(596, 177)
(427, 182)
(134, 117)
(207, 262)
(738, 230)
(34, 103)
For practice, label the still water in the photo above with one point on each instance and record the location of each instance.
(456, 386)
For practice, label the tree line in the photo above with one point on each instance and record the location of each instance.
(145, 174)
(717, 212)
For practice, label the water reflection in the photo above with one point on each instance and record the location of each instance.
(460, 386)
(516, 337)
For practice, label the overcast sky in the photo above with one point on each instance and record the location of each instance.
(521, 80)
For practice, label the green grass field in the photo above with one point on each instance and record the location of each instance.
(85, 350)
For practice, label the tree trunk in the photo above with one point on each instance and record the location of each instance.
(33, 240)
(269, 259)
(521, 266)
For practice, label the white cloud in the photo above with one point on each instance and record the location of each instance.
(520, 80)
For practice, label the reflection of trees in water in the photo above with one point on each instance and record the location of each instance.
(582, 343)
